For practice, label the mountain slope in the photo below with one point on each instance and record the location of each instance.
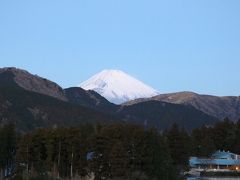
(118, 87)
(32, 102)
(156, 114)
(90, 99)
(220, 107)
(21, 78)
(30, 110)
(162, 115)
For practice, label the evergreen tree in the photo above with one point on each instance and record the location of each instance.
(7, 148)
(224, 135)
(202, 142)
(179, 144)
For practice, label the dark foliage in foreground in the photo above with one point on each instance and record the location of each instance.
(202, 141)
(110, 151)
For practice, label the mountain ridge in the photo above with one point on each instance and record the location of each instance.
(217, 106)
(11, 76)
(163, 114)
(30, 110)
(40, 109)
(89, 98)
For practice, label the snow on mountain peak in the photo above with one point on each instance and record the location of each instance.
(118, 87)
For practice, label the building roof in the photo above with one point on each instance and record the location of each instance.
(223, 155)
(217, 158)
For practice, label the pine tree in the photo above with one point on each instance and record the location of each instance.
(202, 142)
(179, 145)
(224, 135)
(7, 148)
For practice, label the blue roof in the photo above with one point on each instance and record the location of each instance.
(194, 162)
(218, 158)
(223, 155)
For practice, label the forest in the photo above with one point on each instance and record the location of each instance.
(110, 151)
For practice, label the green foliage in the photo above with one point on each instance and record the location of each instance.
(224, 134)
(179, 144)
(202, 141)
(119, 151)
(7, 146)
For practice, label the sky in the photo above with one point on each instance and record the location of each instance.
(171, 45)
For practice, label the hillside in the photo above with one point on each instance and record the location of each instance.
(33, 102)
(89, 99)
(29, 110)
(15, 77)
(217, 106)
(162, 115)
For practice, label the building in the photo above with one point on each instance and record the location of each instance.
(220, 160)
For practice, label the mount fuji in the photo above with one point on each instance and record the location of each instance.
(118, 87)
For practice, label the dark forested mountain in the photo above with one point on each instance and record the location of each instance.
(31, 102)
(89, 99)
(30, 110)
(162, 115)
(152, 114)
(220, 107)
(21, 78)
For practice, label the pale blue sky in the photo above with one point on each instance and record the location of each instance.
(172, 45)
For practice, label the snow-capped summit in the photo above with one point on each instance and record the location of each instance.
(118, 87)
